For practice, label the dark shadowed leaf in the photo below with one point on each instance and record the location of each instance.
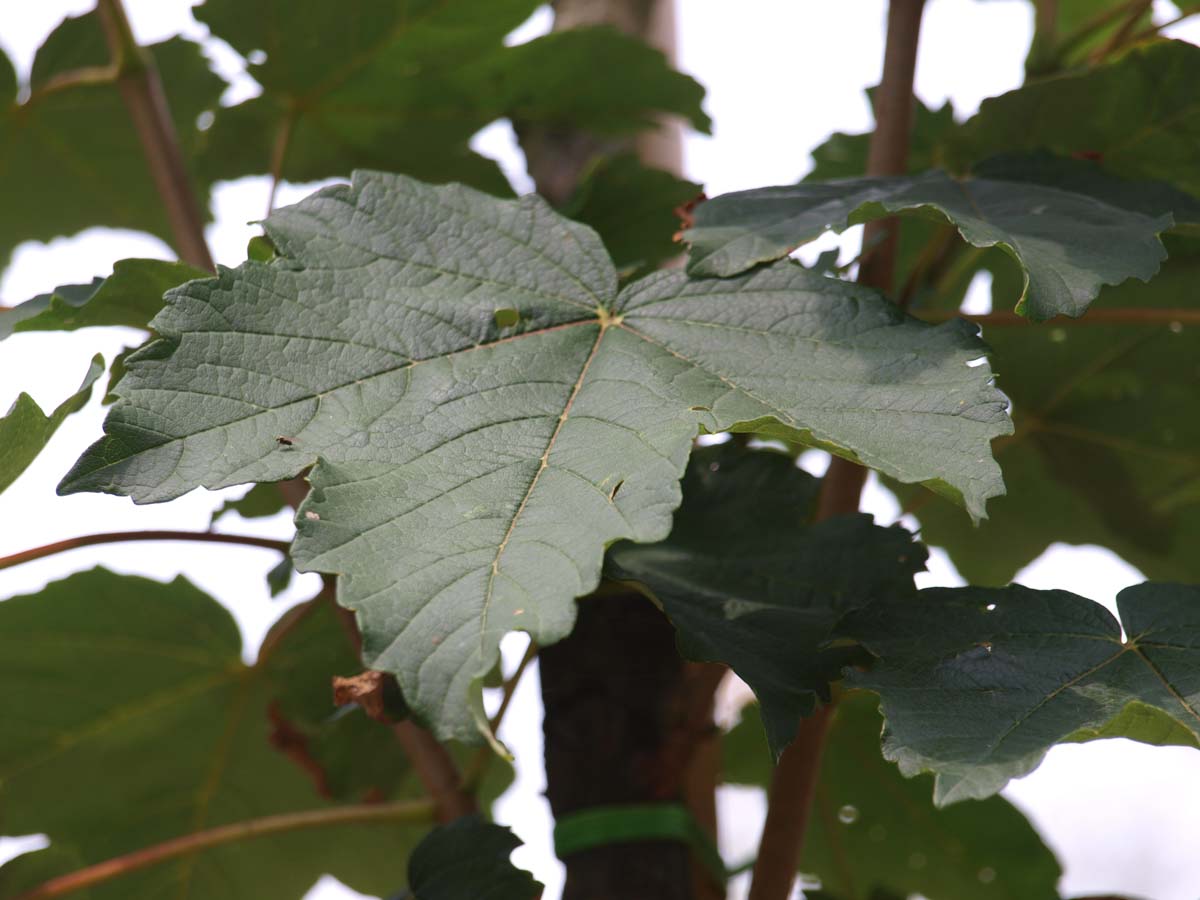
(25, 872)
(1139, 116)
(748, 581)
(1105, 452)
(131, 296)
(505, 459)
(594, 78)
(26, 430)
(469, 858)
(71, 157)
(127, 701)
(873, 829)
(976, 684)
(633, 209)
(259, 502)
(1069, 242)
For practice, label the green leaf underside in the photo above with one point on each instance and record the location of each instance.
(25, 430)
(468, 477)
(131, 296)
(764, 596)
(1102, 454)
(71, 159)
(128, 702)
(1069, 243)
(1140, 115)
(976, 684)
(469, 858)
(874, 829)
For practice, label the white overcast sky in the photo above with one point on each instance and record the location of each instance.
(781, 76)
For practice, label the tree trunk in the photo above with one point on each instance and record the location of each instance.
(609, 691)
(626, 720)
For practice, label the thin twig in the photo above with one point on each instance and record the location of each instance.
(476, 768)
(1147, 33)
(1099, 21)
(141, 89)
(86, 76)
(117, 537)
(415, 812)
(795, 777)
(435, 767)
(1121, 36)
(283, 139)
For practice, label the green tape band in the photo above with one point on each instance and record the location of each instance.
(599, 826)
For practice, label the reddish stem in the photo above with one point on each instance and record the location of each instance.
(414, 812)
(117, 537)
(795, 777)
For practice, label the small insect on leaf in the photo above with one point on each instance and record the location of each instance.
(506, 317)
(284, 441)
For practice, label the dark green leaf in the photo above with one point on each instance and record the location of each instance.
(633, 210)
(1105, 452)
(595, 78)
(382, 85)
(469, 858)
(130, 296)
(873, 829)
(1076, 29)
(977, 684)
(747, 581)
(126, 701)
(1069, 242)
(71, 156)
(259, 502)
(26, 430)
(504, 461)
(1139, 116)
(280, 576)
(404, 87)
(845, 155)
(933, 267)
(27, 871)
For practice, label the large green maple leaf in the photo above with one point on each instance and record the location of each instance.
(977, 684)
(487, 412)
(763, 595)
(1101, 454)
(1070, 229)
(131, 719)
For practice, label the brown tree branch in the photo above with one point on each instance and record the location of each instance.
(1171, 317)
(141, 89)
(435, 767)
(795, 777)
(117, 537)
(416, 812)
